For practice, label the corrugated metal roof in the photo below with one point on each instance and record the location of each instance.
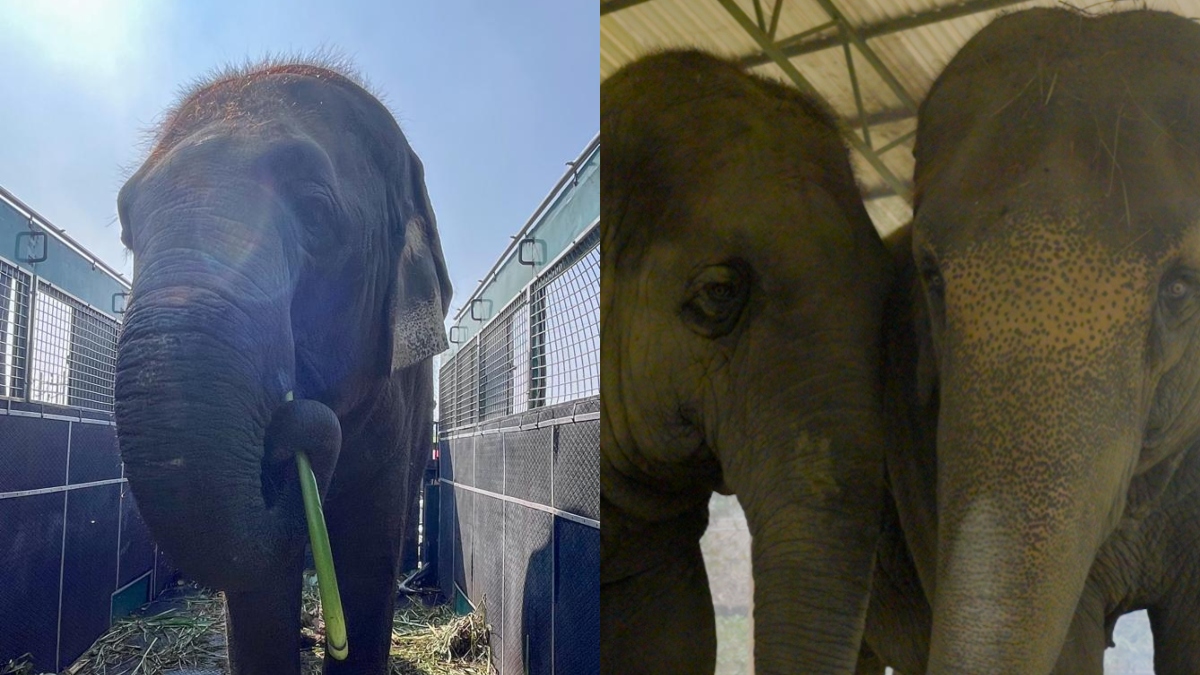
(915, 55)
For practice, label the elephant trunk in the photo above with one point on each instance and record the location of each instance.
(1033, 463)
(204, 361)
(813, 544)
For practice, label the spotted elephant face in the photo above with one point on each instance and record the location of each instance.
(1057, 232)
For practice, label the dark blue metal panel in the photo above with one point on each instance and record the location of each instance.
(94, 454)
(136, 556)
(30, 557)
(33, 453)
(527, 464)
(164, 572)
(464, 511)
(576, 598)
(489, 461)
(528, 579)
(89, 568)
(489, 565)
(445, 462)
(577, 469)
(449, 552)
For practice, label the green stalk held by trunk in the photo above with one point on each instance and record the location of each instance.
(331, 600)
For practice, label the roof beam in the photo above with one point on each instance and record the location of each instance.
(852, 34)
(607, 6)
(888, 116)
(791, 47)
(805, 86)
(880, 192)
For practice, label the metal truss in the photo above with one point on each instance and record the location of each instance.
(760, 33)
(838, 31)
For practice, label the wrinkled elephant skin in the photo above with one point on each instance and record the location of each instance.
(742, 287)
(1055, 248)
(283, 241)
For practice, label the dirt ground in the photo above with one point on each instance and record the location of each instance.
(183, 633)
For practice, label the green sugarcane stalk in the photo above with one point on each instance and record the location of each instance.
(331, 599)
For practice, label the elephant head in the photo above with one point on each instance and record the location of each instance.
(283, 241)
(1056, 231)
(742, 285)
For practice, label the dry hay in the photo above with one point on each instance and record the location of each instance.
(425, 640)
(22, 665)
(191, 637)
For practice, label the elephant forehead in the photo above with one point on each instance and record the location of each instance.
(1046, 284)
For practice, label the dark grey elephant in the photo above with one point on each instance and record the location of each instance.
(1048, 482)
(742, 286)
(283, 241)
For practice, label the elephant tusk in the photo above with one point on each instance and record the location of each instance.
(331, 599)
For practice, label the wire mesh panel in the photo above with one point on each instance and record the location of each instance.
(447, 392)
(577, 469)
(565, 327)
(516, 430)
(449, 545)
(50, 372)
(489, 463)
(464, 504)
(74, 352)
(489, 563)
(503, 372)
(14, 330)
(467, 385)
(528, 578)
(528, 456)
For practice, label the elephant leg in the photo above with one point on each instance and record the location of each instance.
(899, 619)
(1083, 651)
(659, 621)
(1175, 624)
(868, 662)
(365, 534)
(263, 627)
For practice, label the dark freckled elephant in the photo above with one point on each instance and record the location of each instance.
(283, 241)
(1054, 287)
(742, 286)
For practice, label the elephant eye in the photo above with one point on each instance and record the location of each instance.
(715, 299)
(721, 292)
(1176, 293)
(931, 276)
(1176, 290)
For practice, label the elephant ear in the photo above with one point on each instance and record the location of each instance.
(908, 313)
(421, 291)
(927, 366)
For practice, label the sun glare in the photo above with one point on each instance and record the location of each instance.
(95, 36)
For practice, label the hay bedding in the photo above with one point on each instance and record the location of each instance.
(189, 639)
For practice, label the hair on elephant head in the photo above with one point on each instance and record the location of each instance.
(1056, 234)
(283, 240)
(742, 285)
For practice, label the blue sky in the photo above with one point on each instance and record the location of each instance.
(494, 96)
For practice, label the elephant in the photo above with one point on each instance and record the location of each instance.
(1043, 347)
(283, 241)
(742, 291)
